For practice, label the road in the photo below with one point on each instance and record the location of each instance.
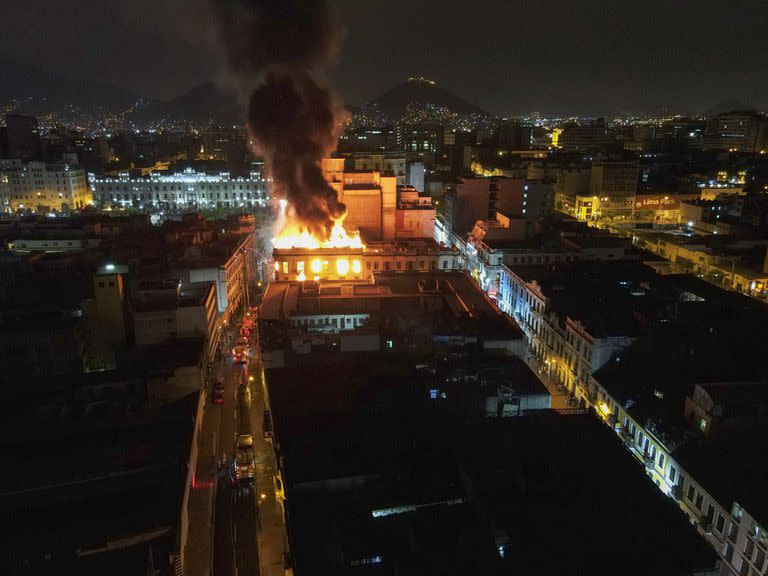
(235, 530)
(272, 534)
(235, 549)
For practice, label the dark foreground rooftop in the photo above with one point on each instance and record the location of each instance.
(98, 495)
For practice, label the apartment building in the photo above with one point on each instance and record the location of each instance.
(43, 188)
(686, 400)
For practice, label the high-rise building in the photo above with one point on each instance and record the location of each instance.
(109, 290)
(585, 138)
(420, 139)
(21, 136)
(45, 187)
(571, 182)
(389, 164)
(214, 143)
(615, 185)
(368, 139)
(5, 193)
(369, 196)
(682, 130)
(513, 135)
(737, 131)
(417, 175)
(377, 206)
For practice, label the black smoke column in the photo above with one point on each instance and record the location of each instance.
(282, 46)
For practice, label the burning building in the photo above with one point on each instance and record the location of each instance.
(362, 261)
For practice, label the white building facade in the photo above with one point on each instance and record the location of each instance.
(187, 189)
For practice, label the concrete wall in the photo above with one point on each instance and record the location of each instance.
(417, 223)
(364, 212)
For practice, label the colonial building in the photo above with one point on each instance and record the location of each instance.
(187, 189)
(46, 187)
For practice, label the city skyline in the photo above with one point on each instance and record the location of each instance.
(507, 306)
(597, 59)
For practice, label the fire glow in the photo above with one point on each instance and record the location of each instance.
(292, 235)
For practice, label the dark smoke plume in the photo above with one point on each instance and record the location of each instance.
(293, 118)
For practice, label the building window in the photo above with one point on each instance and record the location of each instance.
(661, 460)
(691, 492)
(720, 524)
(672, 473)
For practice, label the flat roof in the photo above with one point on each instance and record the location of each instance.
(653, 376)
(117, 477)
(732, 444)
(530, 471)
(514, 372)
(395, 292)
(605, 297)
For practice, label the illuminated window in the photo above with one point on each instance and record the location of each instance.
(342, 266)
(300, 266)
(285, 267)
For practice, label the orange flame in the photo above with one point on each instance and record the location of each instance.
(293, 235)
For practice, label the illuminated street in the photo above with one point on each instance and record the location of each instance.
(343, 288)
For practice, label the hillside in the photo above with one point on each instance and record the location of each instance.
(420, 91)
(38, 92)
(202, 104)
(422, 100)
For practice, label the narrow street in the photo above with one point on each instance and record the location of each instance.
(272, 535)
(235, 530)
(559, 395)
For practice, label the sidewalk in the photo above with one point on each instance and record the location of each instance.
(197, 554)
(559, 397)
(272, 537)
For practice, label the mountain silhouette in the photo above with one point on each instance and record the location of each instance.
(421, 92)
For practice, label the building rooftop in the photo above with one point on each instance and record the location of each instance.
(513, 372)
(465, 308)
(118, 477)
(528, 474)
(607, 298)
(654, 375)
(172, 294)
(734, 443)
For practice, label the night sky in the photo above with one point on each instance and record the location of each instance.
(509, 56)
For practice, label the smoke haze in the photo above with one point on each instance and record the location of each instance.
(282, 47)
